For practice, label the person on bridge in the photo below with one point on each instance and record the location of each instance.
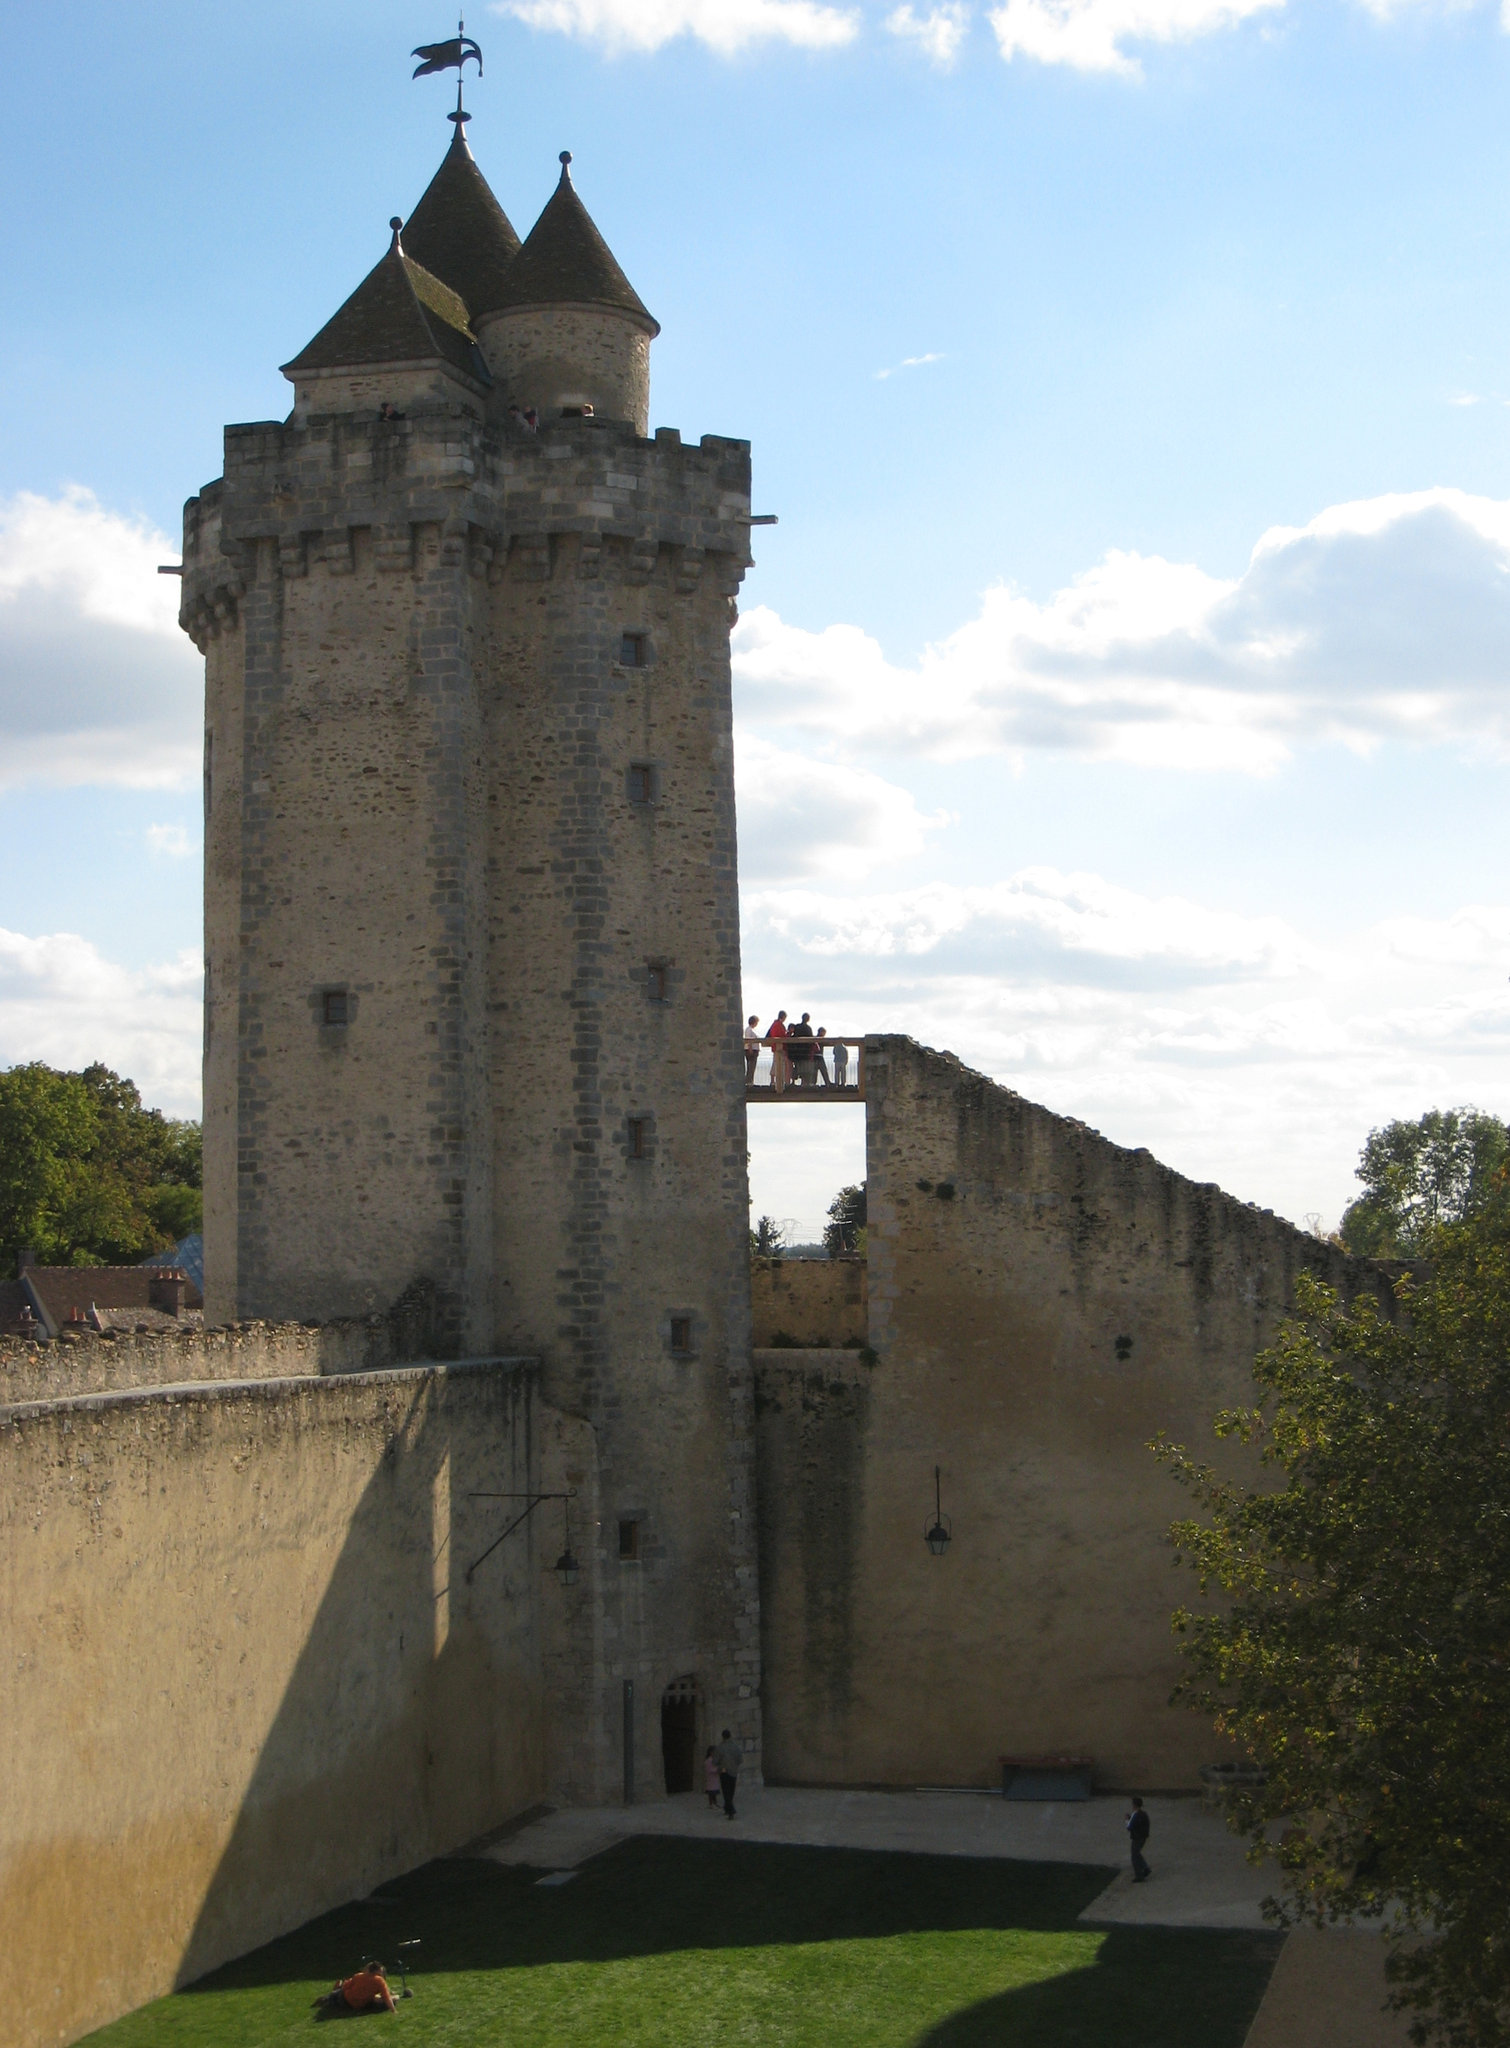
(752, 1050)
(776, 1039)
(820, 1065)
(801, 1054)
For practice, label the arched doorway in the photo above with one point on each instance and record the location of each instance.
(679, 1734)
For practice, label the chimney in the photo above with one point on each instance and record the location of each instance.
(167, 1290)
(26, 1258)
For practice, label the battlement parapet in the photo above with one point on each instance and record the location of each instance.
(328, 493)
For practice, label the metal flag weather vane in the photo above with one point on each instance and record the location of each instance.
(449, 56)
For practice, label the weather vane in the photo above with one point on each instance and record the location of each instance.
(447, 57)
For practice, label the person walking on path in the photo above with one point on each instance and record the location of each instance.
(1138, 1826)
(710, 1776)
(730, 1756)
(752, 1051)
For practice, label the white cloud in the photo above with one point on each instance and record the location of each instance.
(938, 33)
(1384, 618)
(724, 25)
(62, 1001)
(97, 683)
(799, 816)
(909, 363)
(170, 841)
(1089, 35)
(1232, 1048)
(1076, 928)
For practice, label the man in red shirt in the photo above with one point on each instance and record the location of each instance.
(367, 1991)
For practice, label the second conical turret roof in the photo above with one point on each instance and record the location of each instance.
(566, 262)
(460, 233)
(399, 313)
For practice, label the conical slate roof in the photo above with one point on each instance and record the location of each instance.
(399, 313)
(460, 232)
(566, 262)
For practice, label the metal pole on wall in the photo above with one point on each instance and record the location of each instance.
(629, 1742)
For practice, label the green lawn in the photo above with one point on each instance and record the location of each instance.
(684, 1944)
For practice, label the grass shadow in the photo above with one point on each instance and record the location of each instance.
(663, 1938)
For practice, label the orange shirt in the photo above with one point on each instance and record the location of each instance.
(360, 1990)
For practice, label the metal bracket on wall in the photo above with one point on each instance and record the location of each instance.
(533, 1500)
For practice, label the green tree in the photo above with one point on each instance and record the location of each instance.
(767, 1239)
(1361, 1648)
(845, 1228)
(87, 1175)
(1416, 1176)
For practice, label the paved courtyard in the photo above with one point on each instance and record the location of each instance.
(1326, 1991)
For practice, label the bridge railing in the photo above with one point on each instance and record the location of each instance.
(806, 1069)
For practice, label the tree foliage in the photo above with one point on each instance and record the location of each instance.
(1361, 1650)
(845, 1228)
(87, 1176)
(1417, 1176)
(767, 1239)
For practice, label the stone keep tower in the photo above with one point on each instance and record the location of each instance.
(473, 1001)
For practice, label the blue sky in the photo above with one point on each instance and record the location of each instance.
(1122, 697)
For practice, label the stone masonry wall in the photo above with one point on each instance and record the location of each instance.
(548, 357)
(621, 1194)
(245, 1676)
(809, 1302)
(438, 788)
(90, 1362)
(1042, 1303)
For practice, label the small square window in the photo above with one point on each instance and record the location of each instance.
(641, 783)
(335, 1007)
(634, 650)
(629, 1542)
(655, 981)
(681, 1333)
(639, 1133)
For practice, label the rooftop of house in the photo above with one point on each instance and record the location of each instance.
(102, 1297)
(188, 1253)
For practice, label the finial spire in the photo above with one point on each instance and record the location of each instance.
(450, 56)
(396, 223)
(566, 166)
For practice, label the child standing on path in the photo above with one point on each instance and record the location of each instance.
(710, 1776)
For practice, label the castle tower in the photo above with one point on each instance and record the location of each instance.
(473, 1005)
(568, 333)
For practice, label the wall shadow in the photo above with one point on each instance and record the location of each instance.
(655, 1895)
(1151, 1985)
(412, 1718)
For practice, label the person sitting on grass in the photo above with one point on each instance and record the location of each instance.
(367, 1991)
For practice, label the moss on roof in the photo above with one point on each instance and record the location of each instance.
(399, 313)
(566, 262)
(460, 233)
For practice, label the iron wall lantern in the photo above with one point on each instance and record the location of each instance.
(938, 1535)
